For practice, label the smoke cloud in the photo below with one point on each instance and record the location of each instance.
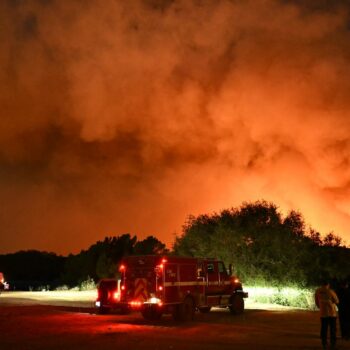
(127, 116)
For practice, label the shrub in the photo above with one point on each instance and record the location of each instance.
(293, 296)
(88, 284)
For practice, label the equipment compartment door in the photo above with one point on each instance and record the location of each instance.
(171, 285)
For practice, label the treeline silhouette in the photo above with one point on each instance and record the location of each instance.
(264, 247)
(35, 270)
(32, 269)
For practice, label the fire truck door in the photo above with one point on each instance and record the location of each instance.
(171, 288)
(212, 278)
(224, 280)
(201, 278)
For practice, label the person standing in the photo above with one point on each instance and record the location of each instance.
(326, 300)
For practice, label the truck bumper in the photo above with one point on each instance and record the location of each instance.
(124, 307)
(242, 294)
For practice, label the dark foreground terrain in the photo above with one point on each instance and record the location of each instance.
(26, 325)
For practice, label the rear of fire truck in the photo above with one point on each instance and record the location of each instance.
(142, 286)
(139, 288)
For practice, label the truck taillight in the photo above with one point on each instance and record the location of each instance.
(236, 280)
(135, 303)
(159, 270)
(122, 287)
(160, 288)
(122, 268)
(116, 295)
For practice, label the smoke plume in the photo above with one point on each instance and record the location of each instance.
(126, 116)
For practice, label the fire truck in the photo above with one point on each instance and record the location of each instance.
(157, 285)
(3, 285)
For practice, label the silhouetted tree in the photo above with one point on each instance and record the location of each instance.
(261, 244)
(101, 260)
(150, 246)
(331, 240)
(32, 269)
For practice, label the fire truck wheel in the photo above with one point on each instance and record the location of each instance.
(205, 309)
(124, 311)
(103, 310)
(185, 311)
(236, 304)
(151, 314)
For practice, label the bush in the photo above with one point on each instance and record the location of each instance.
(88, 284)
(62, 288)
(293, 296)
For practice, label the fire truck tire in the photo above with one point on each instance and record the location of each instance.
(103, 310)
(204, 309)
(151, 314)
(236, 304)
(185, 312)
(124, 311)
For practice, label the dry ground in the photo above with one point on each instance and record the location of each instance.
(67, 321)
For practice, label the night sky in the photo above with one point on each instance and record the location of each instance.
(127, 116)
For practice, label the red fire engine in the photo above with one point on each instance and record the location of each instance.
(3, 285)
(177, 285)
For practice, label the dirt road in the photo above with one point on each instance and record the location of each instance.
(66, 325)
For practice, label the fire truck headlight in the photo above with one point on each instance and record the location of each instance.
(98, 304)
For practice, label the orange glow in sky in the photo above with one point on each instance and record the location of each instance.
(127, 116)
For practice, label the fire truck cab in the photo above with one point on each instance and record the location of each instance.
(157, 285)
